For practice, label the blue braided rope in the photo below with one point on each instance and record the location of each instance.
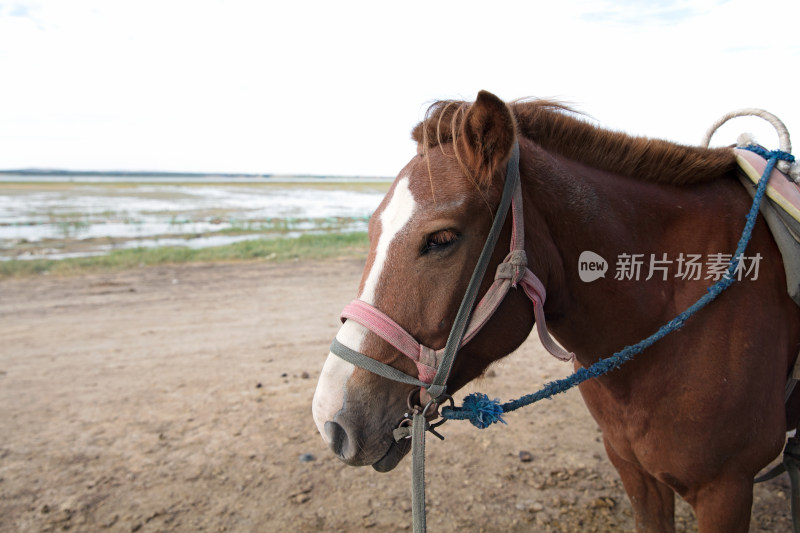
(483, 412)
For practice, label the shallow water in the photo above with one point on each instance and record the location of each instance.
(53, 219)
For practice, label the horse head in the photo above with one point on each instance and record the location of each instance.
(425, 240)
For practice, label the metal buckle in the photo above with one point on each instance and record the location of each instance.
(414, 407)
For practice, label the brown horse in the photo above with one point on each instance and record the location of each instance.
(698, 413)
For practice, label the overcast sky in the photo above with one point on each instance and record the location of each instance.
(334, 87)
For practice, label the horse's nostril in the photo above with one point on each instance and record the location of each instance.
(338, 437)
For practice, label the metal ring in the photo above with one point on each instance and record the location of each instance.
(434, 402)
(412, 401)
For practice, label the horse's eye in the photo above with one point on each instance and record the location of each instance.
(439, 240)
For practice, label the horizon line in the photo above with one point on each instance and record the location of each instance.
(32, 171)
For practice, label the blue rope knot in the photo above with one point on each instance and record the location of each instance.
(481, 411)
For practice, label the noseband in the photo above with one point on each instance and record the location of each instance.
(434, 365)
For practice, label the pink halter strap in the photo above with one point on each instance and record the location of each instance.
(511, 272)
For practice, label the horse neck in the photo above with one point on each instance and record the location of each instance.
(571, 208)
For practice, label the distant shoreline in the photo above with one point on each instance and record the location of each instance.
(35, 172)
(116, 175)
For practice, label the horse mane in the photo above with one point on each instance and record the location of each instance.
(557, 128)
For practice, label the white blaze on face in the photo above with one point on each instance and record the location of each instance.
(329, 397)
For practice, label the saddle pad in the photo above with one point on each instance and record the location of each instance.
(781, 190)
(781, 211)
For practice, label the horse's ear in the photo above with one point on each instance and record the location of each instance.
(486, 138)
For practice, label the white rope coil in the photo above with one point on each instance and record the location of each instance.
(785, 143)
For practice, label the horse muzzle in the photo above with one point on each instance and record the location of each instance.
(353, 446)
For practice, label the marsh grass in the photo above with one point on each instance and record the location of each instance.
(309, 246)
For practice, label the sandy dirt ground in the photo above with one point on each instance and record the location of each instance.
(179, 399)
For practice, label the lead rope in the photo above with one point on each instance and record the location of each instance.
(482, 411)
(419, 426)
